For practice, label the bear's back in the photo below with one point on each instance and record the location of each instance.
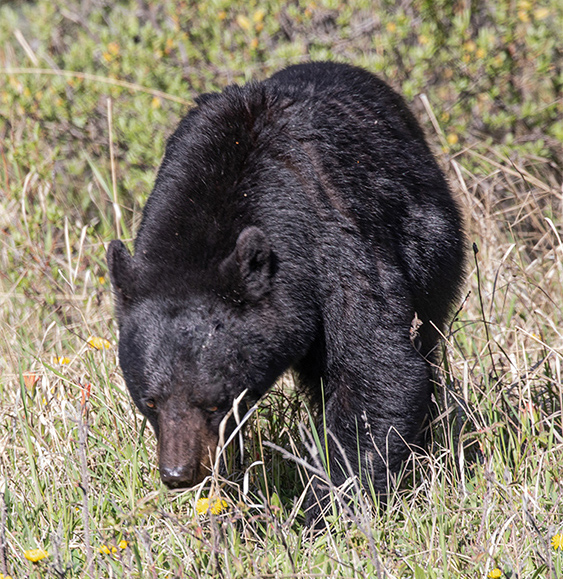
(272, 153)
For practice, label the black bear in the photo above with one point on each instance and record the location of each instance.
(297, 222)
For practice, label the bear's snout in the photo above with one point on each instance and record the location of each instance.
(186, 447)
(178, 477)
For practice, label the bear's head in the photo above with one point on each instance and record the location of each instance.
(187, 350)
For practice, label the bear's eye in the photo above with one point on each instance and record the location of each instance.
(212, 409)
(151, 404)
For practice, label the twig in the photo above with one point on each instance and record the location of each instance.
(485, 321)
(3, 557)
(25, 45)
(96, 78)
(116, 208)
(433, 119)
(82, 449)
(530, 178)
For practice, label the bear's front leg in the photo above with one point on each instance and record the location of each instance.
(371, 420)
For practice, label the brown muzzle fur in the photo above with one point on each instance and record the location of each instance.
(186, 446)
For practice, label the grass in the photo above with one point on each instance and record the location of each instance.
(78, 464)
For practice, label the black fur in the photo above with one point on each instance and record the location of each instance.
(298, 222)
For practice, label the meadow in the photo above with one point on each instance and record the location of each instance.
(89, 91)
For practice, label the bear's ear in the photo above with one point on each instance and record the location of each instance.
(254, 259)
(120, 264)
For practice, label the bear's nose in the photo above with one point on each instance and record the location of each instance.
(177, 477)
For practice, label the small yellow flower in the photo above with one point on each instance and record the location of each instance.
(557, 542)
(495, 574)
(391, 27)
(523, 16)
(243, 22)
(452, 139)
(113, 48)
(222, 15)
(219, 506)
(470, 46)
(35, 555)
(122, 544)
(258, 16)
(61, 360)
(99, 343)
(107, 550)
(2, 576)
(155, 103)
(203, 506)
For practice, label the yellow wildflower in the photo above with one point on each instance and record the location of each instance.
(222, 15)
(203, 506)
(523, 16)
(541, 13)
(495, 574)
(2, 576)
(557, 542)
(112, 549)
(35, 555)
(452, 139)
(391, 27)
(61, 360)
(155, 103)
(470, 46)
(243, 22)
(99, 343)
(258, 16)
